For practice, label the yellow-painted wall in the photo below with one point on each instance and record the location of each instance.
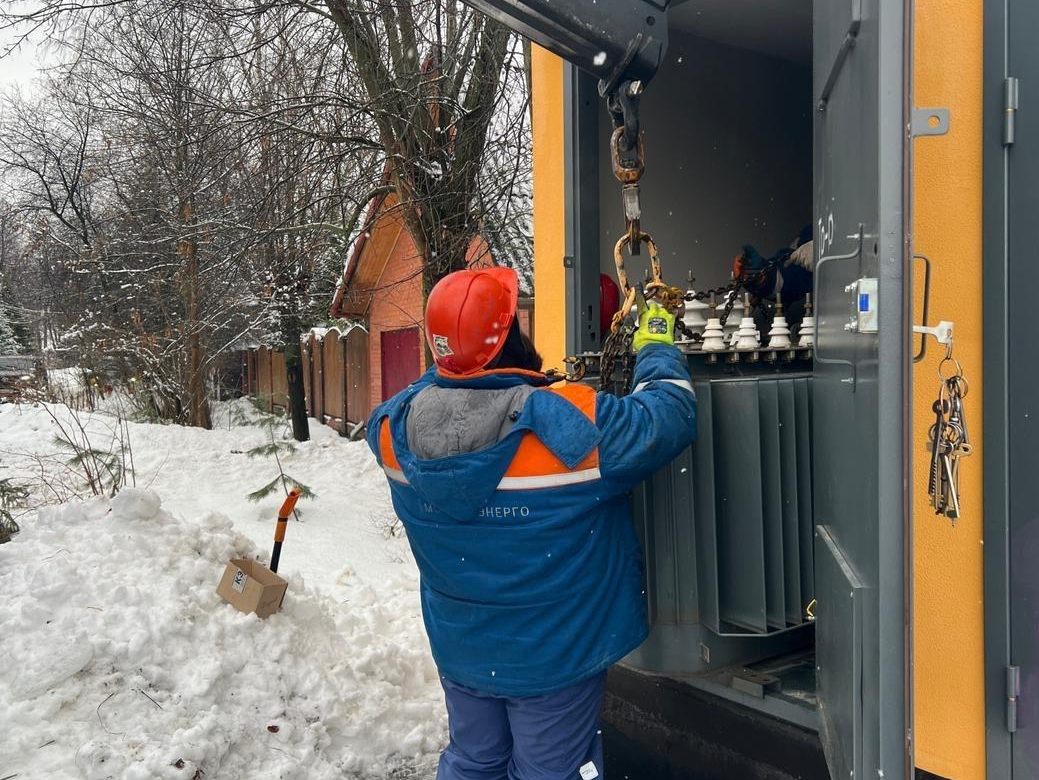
(549, 217)
(949, 627)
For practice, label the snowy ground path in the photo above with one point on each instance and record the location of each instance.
(121, 662)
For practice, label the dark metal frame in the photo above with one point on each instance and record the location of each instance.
(581, 104)
(999, 756)
(895, 411)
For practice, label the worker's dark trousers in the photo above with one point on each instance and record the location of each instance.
(553, 737)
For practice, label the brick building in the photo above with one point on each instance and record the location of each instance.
(382, 287)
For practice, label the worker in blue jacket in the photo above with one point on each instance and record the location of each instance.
(515, 493)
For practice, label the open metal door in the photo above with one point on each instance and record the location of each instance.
(1011, 375)
(860, 392)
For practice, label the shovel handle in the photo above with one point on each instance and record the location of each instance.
(282, 524)
(285, 512)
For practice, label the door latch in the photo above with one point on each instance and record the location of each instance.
(942, 332)
(864, 295)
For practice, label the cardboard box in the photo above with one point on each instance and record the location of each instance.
(249, 586)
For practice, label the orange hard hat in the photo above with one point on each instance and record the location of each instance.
(468, 316)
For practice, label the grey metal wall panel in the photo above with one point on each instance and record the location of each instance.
(703, 501)
(665, 551)
(684, 487)
(805, 506)
(772, 503)
(790, 500)
(702, 155)
(741, 536)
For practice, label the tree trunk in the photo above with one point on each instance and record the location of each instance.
(528, 76)
(198, 404)
(297, 391)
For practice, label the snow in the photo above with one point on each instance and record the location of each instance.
(67, 382)
(122, 662)
(322, 332)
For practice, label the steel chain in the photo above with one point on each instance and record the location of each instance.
(732, 287)
(618, 344)
(617, 347)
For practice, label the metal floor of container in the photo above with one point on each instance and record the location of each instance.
(666, 727)
(783, 687)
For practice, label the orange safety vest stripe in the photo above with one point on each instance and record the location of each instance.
(389, 457)
(534, 459)
(534, 465)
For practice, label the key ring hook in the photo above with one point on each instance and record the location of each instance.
(958, 369)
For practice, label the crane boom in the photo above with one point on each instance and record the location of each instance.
(623, 42)
(616, 40)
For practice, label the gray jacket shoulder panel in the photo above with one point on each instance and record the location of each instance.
(446, 421)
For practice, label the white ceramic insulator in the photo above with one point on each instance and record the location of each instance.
(807, 333)
(694, 317)
(731, 324)
(713, 336)
(779, 336)
(748, 336)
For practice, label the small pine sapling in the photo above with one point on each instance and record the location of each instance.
(278, 444)
(106, 471)
(12, 496)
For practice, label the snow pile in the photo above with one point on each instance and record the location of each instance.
(121, 661)
(198, 471)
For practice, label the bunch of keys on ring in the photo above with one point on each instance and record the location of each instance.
(948, 441)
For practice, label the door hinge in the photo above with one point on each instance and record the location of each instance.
(1011, 97)
(1013, 692)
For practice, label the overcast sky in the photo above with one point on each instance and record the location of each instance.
(18, 67)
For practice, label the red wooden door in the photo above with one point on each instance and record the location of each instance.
(400, 360)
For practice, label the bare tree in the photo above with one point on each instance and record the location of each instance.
(192, 174)
(134, 177)
(432, 75)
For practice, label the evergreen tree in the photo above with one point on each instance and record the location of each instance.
(9, 344)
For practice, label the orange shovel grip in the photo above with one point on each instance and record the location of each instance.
(283, 513)
(279, 529)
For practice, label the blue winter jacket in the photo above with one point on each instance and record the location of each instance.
(516, 500)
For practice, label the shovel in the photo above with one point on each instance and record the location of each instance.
(283, 521)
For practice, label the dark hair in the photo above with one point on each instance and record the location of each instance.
(518, 351)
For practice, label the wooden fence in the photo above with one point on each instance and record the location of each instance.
(265, 376)
(335, 377)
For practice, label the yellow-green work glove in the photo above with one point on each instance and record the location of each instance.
(656, 326)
